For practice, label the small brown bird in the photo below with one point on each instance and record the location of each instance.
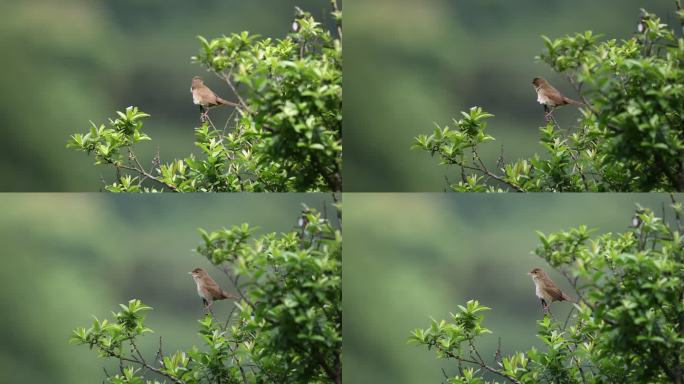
(207, 288)
(549, 96)
(205, 97)
(546, 290)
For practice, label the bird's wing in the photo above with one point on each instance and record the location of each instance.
(553, 291)
(555, 95)
(214, 290)
(207, 96)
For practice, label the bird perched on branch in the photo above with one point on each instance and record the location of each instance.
(550, 97)
(206, 98)
(207, 288)
(546, 290)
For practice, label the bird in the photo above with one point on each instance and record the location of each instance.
(549, 96)
(208, 289)
(546, 290)
(205, 97)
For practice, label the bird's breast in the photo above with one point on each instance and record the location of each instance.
(202, 292)
(538, 291)
(542, 99)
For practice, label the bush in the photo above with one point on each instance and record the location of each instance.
(288, 323)
(629, 320)
(286, 134)
(630, 136)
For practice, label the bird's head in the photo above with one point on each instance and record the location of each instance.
(536, 272)
(538, 81)
(197, 81)
(197, 273)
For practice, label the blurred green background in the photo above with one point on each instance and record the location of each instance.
(412, 63)
(409, 257)
(68, 62)
(67, 257)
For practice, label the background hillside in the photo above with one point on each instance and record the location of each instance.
(410, 257)
(69, 257)
(412, 63)
(68, 62)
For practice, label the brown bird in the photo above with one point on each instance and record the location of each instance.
(546, 290)
(205, 97)
(549, 96)
(207, 288)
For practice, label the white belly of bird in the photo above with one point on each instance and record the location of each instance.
(201, 292)
(195, 100)
(542, 99)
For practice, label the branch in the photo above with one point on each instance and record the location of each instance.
(486, 171)
(140, 170)
(226, 78)
(142, 364)
(680, 7)
(483, 365)
(337, 10)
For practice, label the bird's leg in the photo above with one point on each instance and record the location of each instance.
(549, 114)
(203, 113)
(207, 306)
(546, 112)
(545, 306)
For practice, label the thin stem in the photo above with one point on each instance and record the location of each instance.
(484, 366)
(226, 78)
(147, 175)
(486, 171)
(336, 10)
(143, 364)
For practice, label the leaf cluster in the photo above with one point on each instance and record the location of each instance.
(629, 136)
(287, 326)
(285, 134)
(629, 320)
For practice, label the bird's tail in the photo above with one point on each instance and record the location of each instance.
(571, 101)
(567, 298)
(226, 295)
(226, 102)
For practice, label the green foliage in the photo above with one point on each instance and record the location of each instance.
(288, 327)
(286, 135)
(630, 136)
(629, 326)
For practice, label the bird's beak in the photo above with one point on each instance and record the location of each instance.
(189, 273)
(529, 273)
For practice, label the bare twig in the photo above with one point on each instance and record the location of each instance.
(141, 363)
(578, 89)
(226, 78)
(484, 366)
(337, 10)
(146, 174)
(486, 171)
(680, 7)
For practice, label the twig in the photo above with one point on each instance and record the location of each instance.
(567, 319)
(679, 6)
(678, 219)
(226, 78)
(484, 170)
(484, 366)
(578, 89)
(142, 364)
(339, 25)
(146, 174)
